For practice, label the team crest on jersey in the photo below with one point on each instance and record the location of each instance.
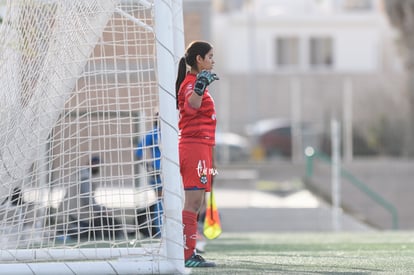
(203, 179)
(202, 171)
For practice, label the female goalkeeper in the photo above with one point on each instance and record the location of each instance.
(197, 126)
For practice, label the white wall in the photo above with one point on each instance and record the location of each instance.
(358, 40)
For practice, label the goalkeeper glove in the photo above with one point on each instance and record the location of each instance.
(204, 78)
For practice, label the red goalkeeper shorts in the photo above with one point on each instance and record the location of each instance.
(196, 166)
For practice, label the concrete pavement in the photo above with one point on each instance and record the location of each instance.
(248, 203)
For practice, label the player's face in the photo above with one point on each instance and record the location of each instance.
(207, 63)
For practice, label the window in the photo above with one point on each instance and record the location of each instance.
(355, 5)
(320, 52)
(287, 51)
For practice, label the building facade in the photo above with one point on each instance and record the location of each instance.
(309, 61)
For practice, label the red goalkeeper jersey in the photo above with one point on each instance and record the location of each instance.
(196, 125)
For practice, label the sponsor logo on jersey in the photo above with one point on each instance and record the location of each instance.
(203, 171)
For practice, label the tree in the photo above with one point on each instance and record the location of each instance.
(401, 16)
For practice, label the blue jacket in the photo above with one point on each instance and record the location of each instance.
(151, 141)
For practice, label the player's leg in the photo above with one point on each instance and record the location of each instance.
(201, 240)
(193, 199)
(195, 162)
(158, 208)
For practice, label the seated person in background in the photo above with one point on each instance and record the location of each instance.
(91, 217)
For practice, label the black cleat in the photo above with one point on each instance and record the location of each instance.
(198, 261)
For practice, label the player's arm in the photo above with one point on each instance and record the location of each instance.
(195, 100)
(143, 144)
(204, 78)
(139, 152)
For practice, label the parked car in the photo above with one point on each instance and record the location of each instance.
(274, 136)
(231, 147)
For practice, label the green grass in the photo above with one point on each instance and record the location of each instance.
(311, 253)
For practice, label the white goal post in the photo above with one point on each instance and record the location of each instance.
(83, 83)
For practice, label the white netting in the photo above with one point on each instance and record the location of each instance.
(79, 80)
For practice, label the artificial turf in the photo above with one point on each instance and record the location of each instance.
(311, 253)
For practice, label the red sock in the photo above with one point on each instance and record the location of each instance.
(190, 233)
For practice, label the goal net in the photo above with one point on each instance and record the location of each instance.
(83, 83)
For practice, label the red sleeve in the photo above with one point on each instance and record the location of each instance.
(187, 93)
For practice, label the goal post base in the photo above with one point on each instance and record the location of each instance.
(95, 267)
